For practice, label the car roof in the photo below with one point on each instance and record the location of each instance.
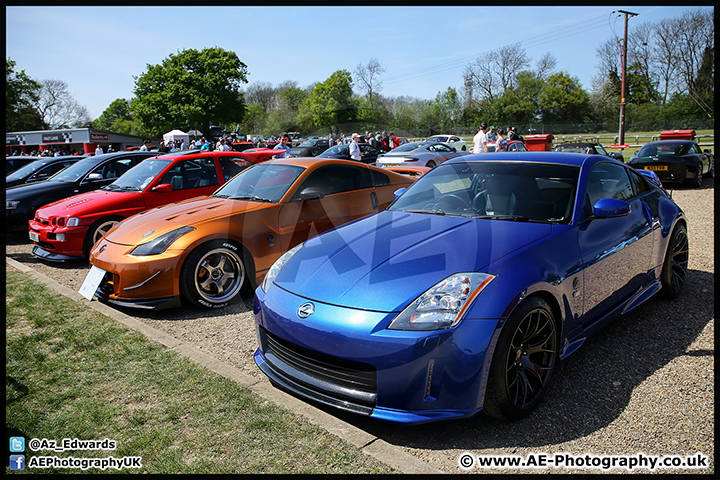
(561, 158)
(669, 141)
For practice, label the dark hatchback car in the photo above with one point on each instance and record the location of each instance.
(41, 169)
(675, 161)
(369, 153)
(588, 147)
(310, 148)
(85, 175)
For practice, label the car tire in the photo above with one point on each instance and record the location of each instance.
(97, 230)
(525, 357)
(214, 274)
(697, 181)
(674, 270)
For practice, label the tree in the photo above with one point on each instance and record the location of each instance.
(330, 103)
(493, 73)
(563, 100)
(119, 109)
(191, 88)
(57, 108)
(21, 96)
(367, 78)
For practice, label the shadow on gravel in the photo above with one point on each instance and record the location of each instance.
(590, 389)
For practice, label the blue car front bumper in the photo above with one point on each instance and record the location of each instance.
(347, 358)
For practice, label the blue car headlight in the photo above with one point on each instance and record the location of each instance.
(443, 305)
(160, 244)
(278, 265)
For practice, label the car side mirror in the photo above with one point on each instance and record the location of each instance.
(311, 193)
(398, 193)
(162, 188)
(616, 155)
(610, 207)
(94, 177)
(707, 150)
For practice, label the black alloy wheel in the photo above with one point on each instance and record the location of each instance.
(524, 360)
(674, 271)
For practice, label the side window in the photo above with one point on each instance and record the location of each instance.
(608, 180)
(379, 179)
(638, 182)
(114, 168)
(193, 173)
(232, 166)
(336, 179)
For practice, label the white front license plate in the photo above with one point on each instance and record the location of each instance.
(92, 282)
(34, 237)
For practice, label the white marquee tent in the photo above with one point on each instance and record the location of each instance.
(176, 135)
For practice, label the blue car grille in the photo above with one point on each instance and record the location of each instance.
(337, 381)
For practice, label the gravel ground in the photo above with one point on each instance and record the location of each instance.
(644, 384)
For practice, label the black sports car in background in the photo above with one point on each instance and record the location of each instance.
(84, 175)
(675, 161)
(310, 148)
(342, 151)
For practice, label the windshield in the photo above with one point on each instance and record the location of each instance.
(670, 148)
(139, 176)
(75, 171)
(337, 149)
(264, 182)
(28, 169)
(534, 192)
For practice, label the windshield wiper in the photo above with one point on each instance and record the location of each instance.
(251, 197)
(429, 212)
(130, 188)
(220, 196)
(516, 218)
(111, 186)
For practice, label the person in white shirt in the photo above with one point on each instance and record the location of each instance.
(354, 149)
(99, 150)
(480, 139)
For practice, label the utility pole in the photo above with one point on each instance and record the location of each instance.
(622, 82)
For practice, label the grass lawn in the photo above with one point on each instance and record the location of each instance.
(72, 372)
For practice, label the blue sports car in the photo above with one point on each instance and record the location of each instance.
(463, 295)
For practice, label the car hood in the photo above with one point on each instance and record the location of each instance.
(92, 202)
(389, 259)
(32, 189)
(192, 212)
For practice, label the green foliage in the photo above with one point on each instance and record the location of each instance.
(330, 102)
(563, 100)
(21, 96)
(191, 88)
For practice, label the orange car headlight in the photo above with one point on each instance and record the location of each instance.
(161, 243)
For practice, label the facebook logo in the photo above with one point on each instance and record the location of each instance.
(17, 444)
(17, 462)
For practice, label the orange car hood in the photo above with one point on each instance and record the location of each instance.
(189, 212)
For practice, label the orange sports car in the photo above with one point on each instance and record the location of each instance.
(207, 249)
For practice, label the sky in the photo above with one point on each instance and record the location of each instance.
(98, 51)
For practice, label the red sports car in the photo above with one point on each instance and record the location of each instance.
(68, 228)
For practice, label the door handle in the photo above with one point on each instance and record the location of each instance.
(374, 199)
